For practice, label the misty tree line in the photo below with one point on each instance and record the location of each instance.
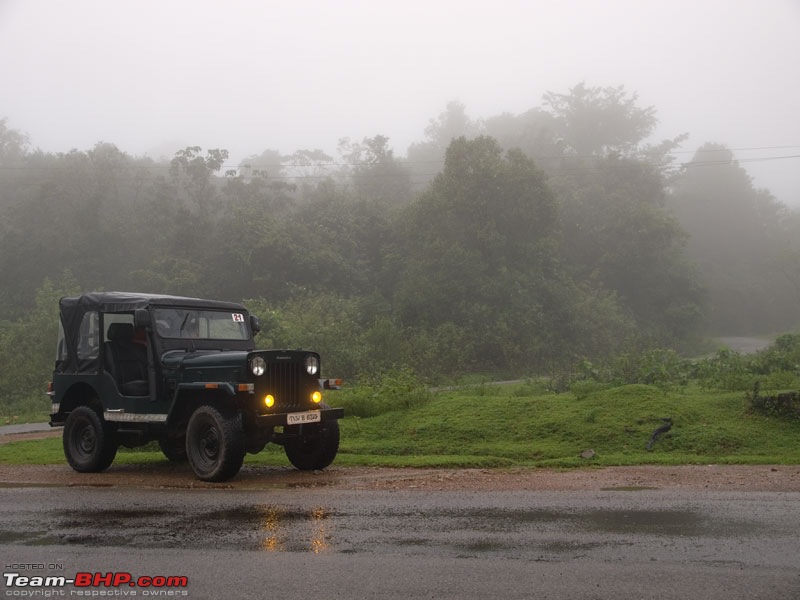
(513, 244)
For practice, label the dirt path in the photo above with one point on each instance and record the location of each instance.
(778, 478)
(29, 435)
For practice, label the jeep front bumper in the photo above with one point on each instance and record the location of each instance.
(300, 418)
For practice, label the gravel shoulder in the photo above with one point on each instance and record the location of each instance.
(749, 478)
(752, 478)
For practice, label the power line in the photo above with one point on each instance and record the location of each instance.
(415, 177)
(401, 162)
(714, 163)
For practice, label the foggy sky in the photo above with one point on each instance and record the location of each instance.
(255, 75)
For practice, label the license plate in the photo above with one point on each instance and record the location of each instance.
(312, 416)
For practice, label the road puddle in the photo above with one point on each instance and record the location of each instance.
(653, 522)
(628, 488)
(256, 527)
(273, 528)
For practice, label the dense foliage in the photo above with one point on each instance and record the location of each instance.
(519, 244)
(762, 377)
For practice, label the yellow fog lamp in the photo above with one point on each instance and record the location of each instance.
(316, 397)
(269, 400)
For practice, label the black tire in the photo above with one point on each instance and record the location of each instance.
(174, 449)
(316, 448)
(90, 443)
(214, 444)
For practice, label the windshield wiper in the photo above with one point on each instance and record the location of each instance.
(180, 331)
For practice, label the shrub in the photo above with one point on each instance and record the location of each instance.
(784, 405)
(783, 355)
(727, 370)
(396, 389)
(658, 367)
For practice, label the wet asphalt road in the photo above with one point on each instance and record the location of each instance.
(317, 543)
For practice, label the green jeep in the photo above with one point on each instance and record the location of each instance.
(132, 368)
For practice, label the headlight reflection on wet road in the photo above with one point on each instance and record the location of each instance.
(291, 532)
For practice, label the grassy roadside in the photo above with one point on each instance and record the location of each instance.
(505, 426)
(26, 415)
(520, 426)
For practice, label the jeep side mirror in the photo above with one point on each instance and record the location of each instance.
(141, 318)
(255, 324)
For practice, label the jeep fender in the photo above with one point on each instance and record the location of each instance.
(190, 395)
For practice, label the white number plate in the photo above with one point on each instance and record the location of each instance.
(313, 416)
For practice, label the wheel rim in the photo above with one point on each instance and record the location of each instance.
(215, 443)
(85, 440)
(208, 444)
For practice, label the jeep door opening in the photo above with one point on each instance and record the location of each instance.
(133, 368)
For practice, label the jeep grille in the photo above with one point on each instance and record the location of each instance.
(284, 381)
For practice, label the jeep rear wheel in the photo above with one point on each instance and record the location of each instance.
(90, 444)
(312, 447)
(215, 444)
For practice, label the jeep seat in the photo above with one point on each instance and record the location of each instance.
(126, 360)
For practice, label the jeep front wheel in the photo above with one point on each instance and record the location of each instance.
(89, 442)
(312, 447)
(214, 444)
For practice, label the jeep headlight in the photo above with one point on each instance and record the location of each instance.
(258, 366)
(312, 364)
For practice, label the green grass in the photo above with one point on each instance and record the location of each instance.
(553, 429)
(24, 414)
(519, 425)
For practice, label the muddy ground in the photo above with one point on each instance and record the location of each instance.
(761, 478)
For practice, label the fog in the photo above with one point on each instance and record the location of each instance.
(153, 76)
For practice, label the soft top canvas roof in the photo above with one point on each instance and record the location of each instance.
(129, 301)
(74, 308)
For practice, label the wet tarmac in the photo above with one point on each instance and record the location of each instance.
(729, 545)
(25, 428)
(343, 523)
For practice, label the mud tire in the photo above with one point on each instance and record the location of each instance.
(90, 443)
(315, 448)
(215, 443)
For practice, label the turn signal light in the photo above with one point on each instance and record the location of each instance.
(269, 400)
(316, 397)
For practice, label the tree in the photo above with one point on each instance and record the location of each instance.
(619, 237)
(480, 254)
(534, 132)
(13, 145)
(599, 121)
(375, 173)
(32, 337)
(425, 158)
(78, 210)
(308, 168)
(742, 240)
(192, 174)
(618, 240)
(268, 165)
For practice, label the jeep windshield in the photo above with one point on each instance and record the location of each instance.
(198, 324)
